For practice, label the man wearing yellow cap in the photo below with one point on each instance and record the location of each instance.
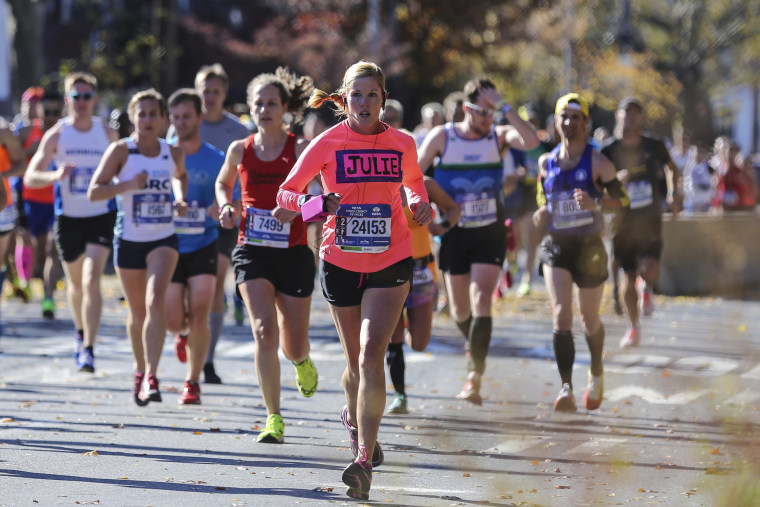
(575, 183)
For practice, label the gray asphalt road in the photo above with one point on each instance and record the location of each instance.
(678, 425)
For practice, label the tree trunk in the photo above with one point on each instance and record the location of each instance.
(28, 42)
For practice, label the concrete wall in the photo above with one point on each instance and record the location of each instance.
(711, 254)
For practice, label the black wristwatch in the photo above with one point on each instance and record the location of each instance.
(446, 224)
(303, 199)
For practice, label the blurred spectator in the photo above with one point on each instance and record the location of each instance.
(393, 115)
(432, 116)
(737, 183)
(698, 180)
(682, 150)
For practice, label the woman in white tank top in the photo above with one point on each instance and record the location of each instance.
(149, 178)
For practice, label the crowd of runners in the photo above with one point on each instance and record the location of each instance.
(329, 187)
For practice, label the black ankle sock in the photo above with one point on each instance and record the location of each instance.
(464, 327)
(596, 348)
(80, 333)
(480, 340)
(564, 353)
(89, 349)
(394, 357)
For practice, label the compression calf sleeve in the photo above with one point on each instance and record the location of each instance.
(394, 357)
(596, 348)
(564, 354)
(480, 340)
(216, 321)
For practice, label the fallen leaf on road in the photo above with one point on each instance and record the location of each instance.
(665, 374)
(466, 475)
(561, 487)
(715, 451)
(123, 477)
(197, 433)
(6, 420)
(91, 453)
(220, 488)
(534, 462)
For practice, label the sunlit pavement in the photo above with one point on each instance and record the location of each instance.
(679, 424)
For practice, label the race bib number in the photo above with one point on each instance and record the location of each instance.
(640, 193)
(262, 229)
(194, 221)
(363, 228)
(152, 209)
(478, 210)
(79, 179)
(8, 218)
(422, 275)
(567, 215)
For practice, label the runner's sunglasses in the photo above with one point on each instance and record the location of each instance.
(482, 111)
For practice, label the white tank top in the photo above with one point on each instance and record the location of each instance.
(146, 214)
(83, 150)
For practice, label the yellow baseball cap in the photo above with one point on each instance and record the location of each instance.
(572, 101)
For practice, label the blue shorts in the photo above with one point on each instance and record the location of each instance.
(40, 217)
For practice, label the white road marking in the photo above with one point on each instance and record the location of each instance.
(654, 397)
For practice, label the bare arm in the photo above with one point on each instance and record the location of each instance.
(37, 175)
(432, 147)
(15, 153)
(519, 134)
(179, 180)
(225, 182)
(448, 207)
(102, 186)
(3, 197)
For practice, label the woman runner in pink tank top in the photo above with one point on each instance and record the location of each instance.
(366, 253)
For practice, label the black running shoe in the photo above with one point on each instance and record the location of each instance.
(153, 393)
(209, 374)
(358, 478)
(137, 389)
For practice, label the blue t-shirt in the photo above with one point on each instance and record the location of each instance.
(197, 229)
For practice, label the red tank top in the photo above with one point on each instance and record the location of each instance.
(260, 181)
(45, 194)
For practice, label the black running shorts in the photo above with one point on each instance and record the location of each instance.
(134, 254)
(635, 239)
(227, 240)
(200, 262)
(73, 234)
(583, 256)
(342, 287)
(290, 270)
(461, 248)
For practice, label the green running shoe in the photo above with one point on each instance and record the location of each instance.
(399, 405)
(48, 308)
(274, 431)
(306, 377)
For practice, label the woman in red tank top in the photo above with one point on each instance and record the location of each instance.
(274, 268)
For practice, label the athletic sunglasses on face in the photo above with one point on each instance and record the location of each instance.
(482, 111)
(76, 97)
